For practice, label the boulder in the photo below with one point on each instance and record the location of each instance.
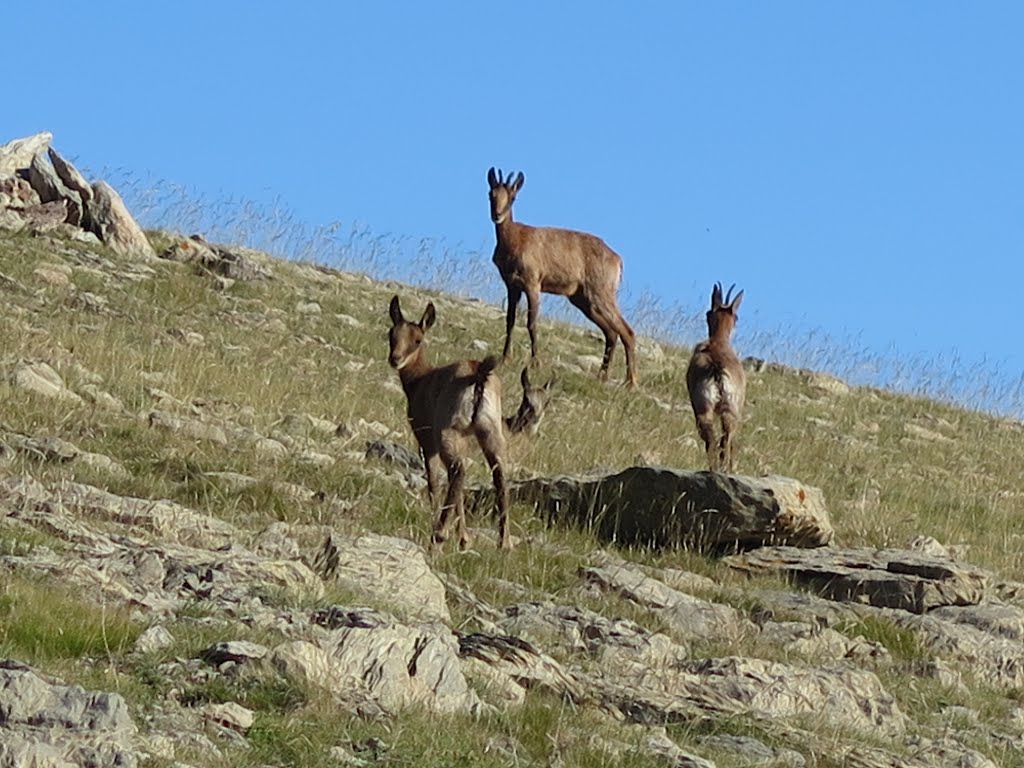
(17, 155)
(45, 723)
(45, 217)
(661, 507)
(381, 669)
(68, 174)
(887, 578)
(114, 225)
(391, 572)
(229, 263)
(689, 617)
(41, 379)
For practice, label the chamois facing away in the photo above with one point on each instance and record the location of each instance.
(573, 264)
(531, 409)
(717, 383)
(446, 406)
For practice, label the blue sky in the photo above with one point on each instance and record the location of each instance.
(857, 168)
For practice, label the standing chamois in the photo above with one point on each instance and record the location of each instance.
(573, 264)
(446, 406)
(717, 383)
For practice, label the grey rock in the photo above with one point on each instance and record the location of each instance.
(230, 715)
(17, 193)
(572, 629)
(114, 225)
(156, 638)
(191, 428)
(381, 670)
(70, 176)
(47, 723)
(48, 185)
(45, 217)
(391, 572)
(661, 507)
(754, 687)
(889, 578)
(755, 752)
(394, 453)
(236, 651)
(41, 379)
(229, 263)
(689, 616)
(17, 155)
(51, 449)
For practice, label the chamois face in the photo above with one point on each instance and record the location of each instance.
(503, 193)
(406, 339)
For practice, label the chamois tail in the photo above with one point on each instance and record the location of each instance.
(483, 372)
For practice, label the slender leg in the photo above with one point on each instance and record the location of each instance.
(514, 294)
(493, 445)
(629, 344)
(455, 474)
(533, 308)
(727, 446)
(706, 428)
(434, 468)
(585, 306)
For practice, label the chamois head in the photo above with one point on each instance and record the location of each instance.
(407, 338)
(531, 409)
(722, 315)
(503, 193)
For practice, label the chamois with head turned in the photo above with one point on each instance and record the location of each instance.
(573, 264)
(447, 406)
(717, 383)
(531, 409)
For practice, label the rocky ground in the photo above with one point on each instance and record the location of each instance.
(281, 552)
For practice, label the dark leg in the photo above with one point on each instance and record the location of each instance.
(533, 309)
(706, 428)
(514, 294)
(455, 474)
(492, 449)
(727, 446)
(584, 305)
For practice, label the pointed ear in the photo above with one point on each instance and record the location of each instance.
(518, 183)
(492, 179)
(396, 311)
(551, 384)
(735, 304)
(429, 316)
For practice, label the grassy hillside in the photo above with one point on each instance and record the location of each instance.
(305, 354)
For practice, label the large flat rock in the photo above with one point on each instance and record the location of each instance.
(885, 578)
(661, 507)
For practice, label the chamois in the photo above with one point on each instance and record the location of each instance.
(445, 406)
(531, 409)
(573, 264)
(717, 383)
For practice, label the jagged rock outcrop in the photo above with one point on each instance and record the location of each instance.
(45, 723)
(663, 507)
(888, 578)
(43, 191)
(380, 667)
(231, 263)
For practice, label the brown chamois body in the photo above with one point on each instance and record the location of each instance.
(573, 264)
(446, 406)
(717, 383)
